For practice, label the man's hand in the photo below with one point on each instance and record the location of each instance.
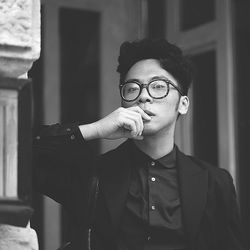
(121, 123)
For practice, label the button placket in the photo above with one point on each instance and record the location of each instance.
(152, 164)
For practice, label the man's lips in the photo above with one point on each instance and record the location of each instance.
(148, 112)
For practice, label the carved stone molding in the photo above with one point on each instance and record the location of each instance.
(17, 238)
(19, 36)
(16, 23)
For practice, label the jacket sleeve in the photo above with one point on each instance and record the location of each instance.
(234, 236)
(62, 162)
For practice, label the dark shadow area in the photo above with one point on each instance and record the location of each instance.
(156, 19)
(205, 107)
(242, 39)
(80, 73)
(36, 74)
(194, 13)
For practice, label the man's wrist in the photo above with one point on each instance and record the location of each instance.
(89, 131)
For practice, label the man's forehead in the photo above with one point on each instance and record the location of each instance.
(147, 69)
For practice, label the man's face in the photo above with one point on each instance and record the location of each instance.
(163, 112)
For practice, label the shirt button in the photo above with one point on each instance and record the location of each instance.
(72, 137)
(38, 137)
(149, 237)
(152, 163)
(152, 178)
(68, 129)
(153, 207)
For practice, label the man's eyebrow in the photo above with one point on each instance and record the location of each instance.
(132, 80)
(150, 79)
(160, 77)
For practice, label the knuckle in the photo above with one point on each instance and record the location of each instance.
(119, 110)
(138, 117)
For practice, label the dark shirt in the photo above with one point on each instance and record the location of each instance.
(152, 215)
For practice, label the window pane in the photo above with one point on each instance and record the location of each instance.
(205, 107)
(196, 12)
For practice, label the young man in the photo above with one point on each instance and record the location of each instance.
(151, 196)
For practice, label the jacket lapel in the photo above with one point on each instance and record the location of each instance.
(115, 179)
(193, 181)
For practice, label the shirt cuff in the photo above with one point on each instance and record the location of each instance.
(70, 131)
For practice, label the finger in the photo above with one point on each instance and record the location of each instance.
(130, 125)
(136, 117)
(140, 122)
(127, 120)
(144, 115)
(137, 113)
(139, 137)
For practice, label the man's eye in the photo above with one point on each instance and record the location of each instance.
(159, 85)
(131, 90)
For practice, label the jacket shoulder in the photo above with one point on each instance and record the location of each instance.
(219, 175)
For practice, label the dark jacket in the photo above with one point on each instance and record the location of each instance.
(64, 165)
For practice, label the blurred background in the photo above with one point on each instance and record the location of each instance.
(75, 79)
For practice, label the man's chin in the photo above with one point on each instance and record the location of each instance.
(149, 130)
(153, 130)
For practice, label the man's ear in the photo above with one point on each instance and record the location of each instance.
(183, 105)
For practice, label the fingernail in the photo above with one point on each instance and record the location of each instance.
(140, 137)
(148, 118)
(133, 133)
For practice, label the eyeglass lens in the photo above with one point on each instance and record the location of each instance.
(157, 89)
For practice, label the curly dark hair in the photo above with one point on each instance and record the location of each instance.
(169, 56)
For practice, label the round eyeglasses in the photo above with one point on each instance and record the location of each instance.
(157, 89)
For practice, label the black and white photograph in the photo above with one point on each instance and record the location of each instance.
(124, 125)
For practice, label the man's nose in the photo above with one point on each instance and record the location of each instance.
(144, 96)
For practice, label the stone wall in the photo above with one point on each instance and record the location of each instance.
(19, 48)
(19, 36)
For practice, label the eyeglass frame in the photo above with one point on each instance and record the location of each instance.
(146, 85)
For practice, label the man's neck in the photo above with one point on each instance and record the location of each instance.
(158, 145)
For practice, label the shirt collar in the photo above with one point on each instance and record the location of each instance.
(140, 157)
(169, 159)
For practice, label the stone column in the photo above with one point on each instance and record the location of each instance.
(19, 48)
